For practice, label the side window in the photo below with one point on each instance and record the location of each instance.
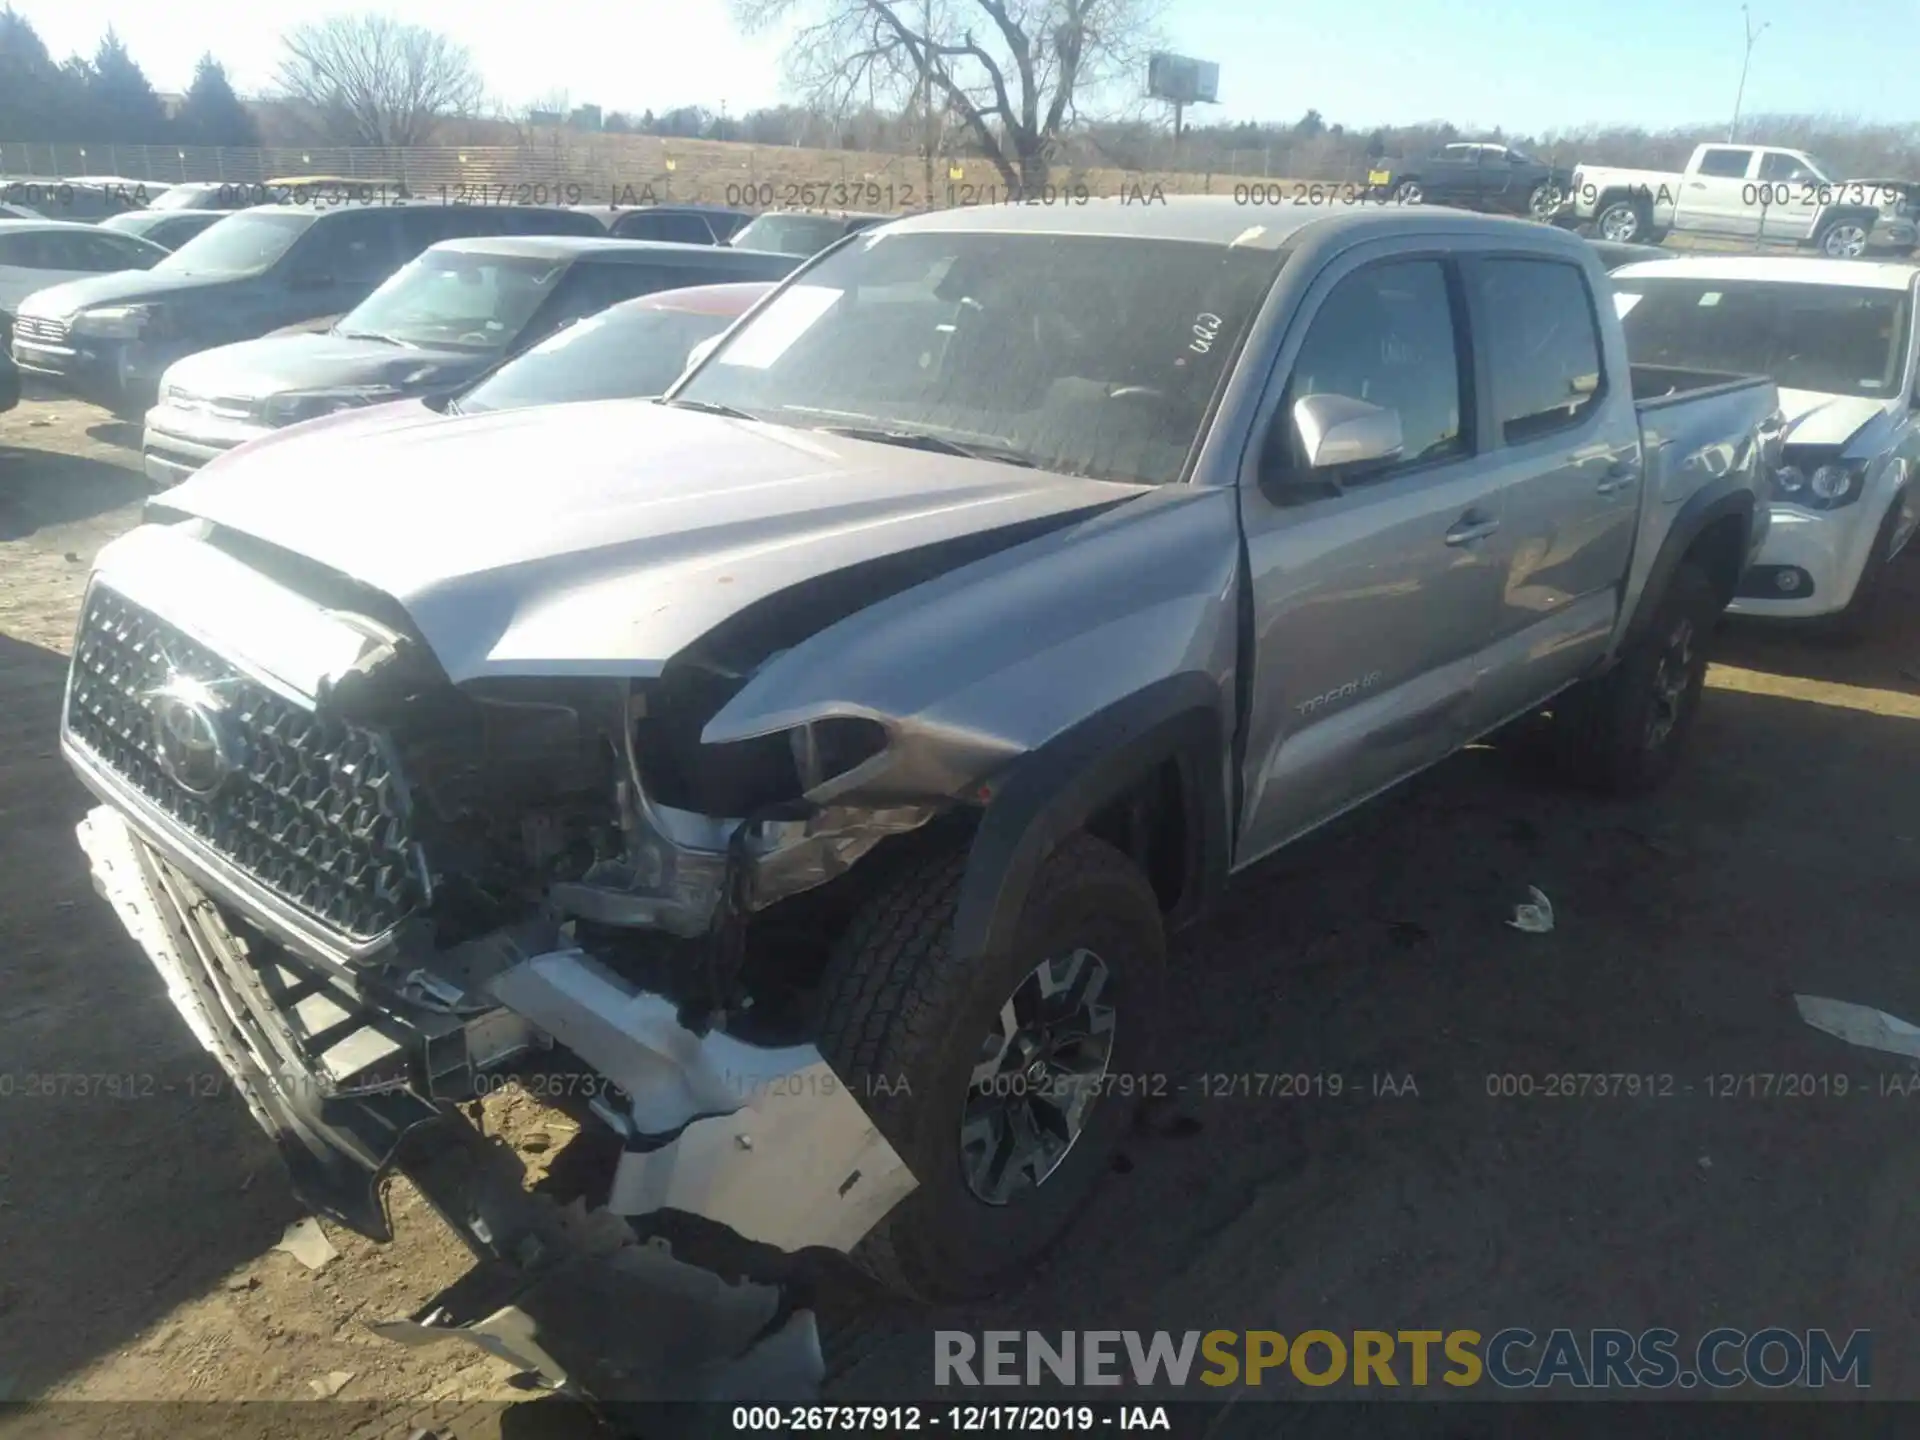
(355, 247)
(1779, 168)
(13, 250)
(1542, 347)
(588, 289)
(112, 252)
(1385, 335)
(1725, 163)
(429, 225)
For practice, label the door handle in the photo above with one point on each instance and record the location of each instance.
(1470, 527)
(1620, 475)
(1696, 184)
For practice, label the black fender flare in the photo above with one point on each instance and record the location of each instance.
(1697, 514)
(1055, 789)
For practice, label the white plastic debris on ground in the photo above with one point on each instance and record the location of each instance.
(1860, 1025)
(1535, 919)
(306, 1242)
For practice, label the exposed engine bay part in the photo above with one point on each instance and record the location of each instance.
(767, 1141)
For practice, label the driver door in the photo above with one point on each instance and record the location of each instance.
(1373, 590)
(1785, 184)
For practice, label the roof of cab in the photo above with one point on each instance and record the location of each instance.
(1778, 269)
(733, 299)
(574, 247)
(1212, 219)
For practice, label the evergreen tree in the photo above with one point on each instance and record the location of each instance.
(212, 114)
(121, 105)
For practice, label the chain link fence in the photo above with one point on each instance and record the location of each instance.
(627, 170)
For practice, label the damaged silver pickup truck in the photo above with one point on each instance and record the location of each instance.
(817, 759)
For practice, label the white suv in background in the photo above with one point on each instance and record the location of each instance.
(1838, 337)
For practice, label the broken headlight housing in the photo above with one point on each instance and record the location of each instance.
(1819, 480)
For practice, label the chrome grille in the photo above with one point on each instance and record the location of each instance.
(226, 407)
(313, 809)
(40, 327)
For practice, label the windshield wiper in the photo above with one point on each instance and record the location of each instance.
(710, 407)
(939, 444)
(374, 335)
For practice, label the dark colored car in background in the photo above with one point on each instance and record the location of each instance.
(1477, 175)
(802, 232)
(453, 313)
(9, 375)
(169, 228)
(635, 349)
(683, 224)
(109, 338)
(86, 200)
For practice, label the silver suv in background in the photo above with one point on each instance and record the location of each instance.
(462, 307)
(817, 760)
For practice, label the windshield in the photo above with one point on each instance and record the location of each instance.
(618, 354)
(1833, 339)
(241, 244)
(456, 300)
(790, 234)
(1092, 355)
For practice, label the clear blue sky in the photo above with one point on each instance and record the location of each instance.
(1529, 65)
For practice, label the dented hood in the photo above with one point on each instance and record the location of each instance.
(604, 537)
(1814, 418)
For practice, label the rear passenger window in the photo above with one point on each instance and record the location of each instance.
(1542, 346)
(1727, 164)
(1385, 335)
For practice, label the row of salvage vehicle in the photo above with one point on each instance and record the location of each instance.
(817, 755)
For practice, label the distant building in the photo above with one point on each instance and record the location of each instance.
(585, 117)
(544, 117)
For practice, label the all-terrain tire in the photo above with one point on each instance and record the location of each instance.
(1607, 731)
(902, 1023)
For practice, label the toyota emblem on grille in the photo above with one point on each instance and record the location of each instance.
(190, 739)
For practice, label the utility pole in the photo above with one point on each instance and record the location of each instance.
(1752, 35)
(926, 94)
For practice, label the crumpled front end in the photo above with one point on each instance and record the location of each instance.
(762, 1140)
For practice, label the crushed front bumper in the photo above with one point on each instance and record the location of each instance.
(763, 1142)
(1810, 564)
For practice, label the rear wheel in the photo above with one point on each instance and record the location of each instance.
(1621, 221)
(1545, 200)
(1622, 732)
(1004, 1086)
(1410, 192)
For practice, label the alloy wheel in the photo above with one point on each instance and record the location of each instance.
(1846, 240)
(1672, 679)
(1040, 1071)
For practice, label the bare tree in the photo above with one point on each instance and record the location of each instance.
(372, 80)
(1012, 73)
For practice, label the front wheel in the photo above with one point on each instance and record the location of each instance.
(1545, 201)
(1409, 192)
(1622, 732)
(1003, 1085)
(1844, 239)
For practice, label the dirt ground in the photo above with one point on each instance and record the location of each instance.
(137, 1234)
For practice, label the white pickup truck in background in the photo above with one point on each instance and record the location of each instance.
(1757, 192)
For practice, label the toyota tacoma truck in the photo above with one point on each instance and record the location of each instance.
(1757, 192)
(812, 763)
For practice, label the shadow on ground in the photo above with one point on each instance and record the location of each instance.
(40, 488)
(124, 1174)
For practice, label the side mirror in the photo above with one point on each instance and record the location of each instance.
(1339, 430)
